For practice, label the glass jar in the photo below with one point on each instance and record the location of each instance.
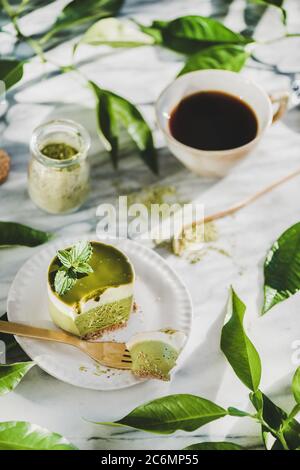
(55, 184)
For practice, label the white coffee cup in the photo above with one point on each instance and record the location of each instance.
(217, 163)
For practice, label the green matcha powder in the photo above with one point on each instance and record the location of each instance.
(59, 151)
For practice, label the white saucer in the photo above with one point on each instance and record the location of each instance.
(163, 302)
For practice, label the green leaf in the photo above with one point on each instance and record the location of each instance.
(20, 435)
(24, 7)
(74, 261)
(296, 385)
(236, 412)
(188, 34)
(113, 110)
(116, 33)
(214, 446)
(295, 411)
(64, 257)
(168, 414)
(282, 268)
(84, 268)
(108, 127)
(78, 12)
(11, 71)
(274, 3)
(253, 14)
(64, 281)
(81, 252)
(236, 345)
(226, 57)
(138, 130)
(153, 32)
(291, 433)
(278, 420)
(271, 413)
(12, 233)
(11, 375)
(204, 30)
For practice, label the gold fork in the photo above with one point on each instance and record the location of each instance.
(109, 354)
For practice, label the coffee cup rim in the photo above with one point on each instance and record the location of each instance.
(194, 150)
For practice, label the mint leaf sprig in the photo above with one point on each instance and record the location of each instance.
(74, 261)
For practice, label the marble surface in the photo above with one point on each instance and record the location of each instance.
(140, 74)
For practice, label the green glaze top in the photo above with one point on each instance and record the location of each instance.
(59, 151)
(111, 268)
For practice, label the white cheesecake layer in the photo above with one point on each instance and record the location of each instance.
(111, 294)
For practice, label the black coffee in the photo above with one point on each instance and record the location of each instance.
(213, 120)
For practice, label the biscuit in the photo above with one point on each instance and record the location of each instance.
(4, 165)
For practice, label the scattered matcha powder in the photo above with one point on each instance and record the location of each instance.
(192, 236)
(155, 195)
(195, 256)
(221, 251)
(100, 371)
(200, 233)
(204, 233)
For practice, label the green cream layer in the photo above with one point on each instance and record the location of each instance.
(154, 354)
(98, 301)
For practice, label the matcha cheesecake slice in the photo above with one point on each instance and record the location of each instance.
(154, 353)
(90, 289)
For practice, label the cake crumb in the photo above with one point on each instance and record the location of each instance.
(4, 165)
(98, 334)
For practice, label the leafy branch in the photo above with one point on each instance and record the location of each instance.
(190, 412)
(185, 412)
(279, 429)
(21, 435)
(111, 108)
(204, 42)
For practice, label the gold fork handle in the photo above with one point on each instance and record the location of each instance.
(39, 333)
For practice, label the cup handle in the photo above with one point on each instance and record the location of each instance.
(281, 99)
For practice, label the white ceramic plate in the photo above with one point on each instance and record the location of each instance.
(162, 299)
